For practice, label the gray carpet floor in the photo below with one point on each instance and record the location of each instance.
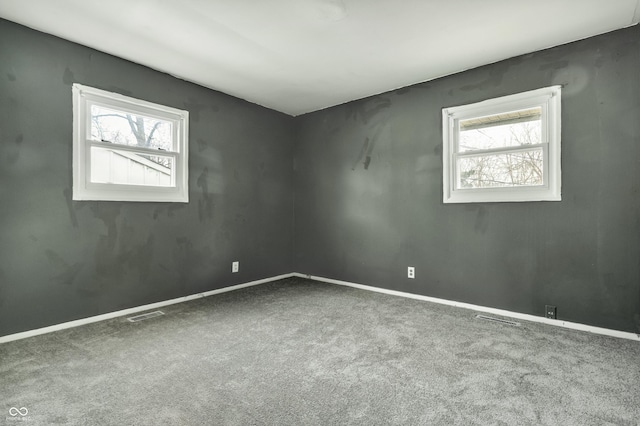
(298, 352)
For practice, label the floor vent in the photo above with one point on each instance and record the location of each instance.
(500, 320)
(146, 316)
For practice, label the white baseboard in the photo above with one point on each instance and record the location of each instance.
(501, 312)
(110, 315)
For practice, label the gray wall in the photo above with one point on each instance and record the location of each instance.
(368, 192)
(367, 187)
(62, 260)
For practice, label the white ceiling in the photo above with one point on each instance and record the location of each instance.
(298, 56)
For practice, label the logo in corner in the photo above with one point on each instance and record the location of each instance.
(13, 411)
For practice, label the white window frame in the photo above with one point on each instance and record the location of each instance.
(548, 99)
(84, 189)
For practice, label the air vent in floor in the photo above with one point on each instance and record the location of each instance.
(146, 316)
(500, 320)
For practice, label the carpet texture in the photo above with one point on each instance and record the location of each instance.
(298, 352)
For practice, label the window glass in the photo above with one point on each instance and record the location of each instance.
(514, 128)
(120, 127)
(130, 168)
(521, 168)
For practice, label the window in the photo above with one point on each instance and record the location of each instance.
(503, 149)
(125, 149)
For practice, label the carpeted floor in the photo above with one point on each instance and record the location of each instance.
(297, 352)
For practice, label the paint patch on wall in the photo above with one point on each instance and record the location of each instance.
(374, 115)
(120, 90)
(2, 284)
(365, 111)
(202, 144)
(69, 201)
(12, 157)
(481, 225)
(66, 273)
(195, 108)
(105, 252)
(191, 263)
(169, 210)
(573, 79)
(495, 77)
(68, 78)
(205, 203)
(557, 65)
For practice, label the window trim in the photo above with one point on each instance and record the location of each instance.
(549, 99)
(85, 190)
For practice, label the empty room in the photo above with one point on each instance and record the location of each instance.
(319, 212)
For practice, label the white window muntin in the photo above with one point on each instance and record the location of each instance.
(84, 189)
(548, 99)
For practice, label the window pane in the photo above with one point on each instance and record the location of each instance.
(507, 129)
(108, 125)
(129, 168)
(522, 168)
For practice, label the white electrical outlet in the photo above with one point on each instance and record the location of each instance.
(411, 272)
(235, 266)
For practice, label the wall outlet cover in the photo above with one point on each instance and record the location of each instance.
(411, 272)
(550, 311)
